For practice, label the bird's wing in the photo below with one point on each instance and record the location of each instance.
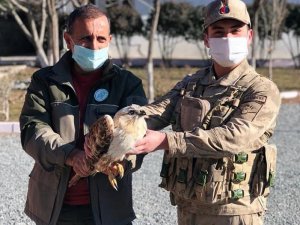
(97, 140)
(100, 136)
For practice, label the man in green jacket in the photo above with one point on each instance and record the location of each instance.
(218, 164)
(61, 103)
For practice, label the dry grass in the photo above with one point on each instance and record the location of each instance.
(164, 79)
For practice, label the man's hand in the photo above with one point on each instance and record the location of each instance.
(154, 140)
(77, 159)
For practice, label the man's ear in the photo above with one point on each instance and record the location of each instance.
(206, 43)
(68, 40)
(250, 36)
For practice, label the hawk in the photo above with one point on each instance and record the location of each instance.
(109, 139)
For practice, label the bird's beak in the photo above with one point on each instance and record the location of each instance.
(142, 113)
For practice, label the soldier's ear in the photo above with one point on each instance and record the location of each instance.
(205, 39)
(250, 36)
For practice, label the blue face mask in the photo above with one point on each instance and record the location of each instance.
(88, 59)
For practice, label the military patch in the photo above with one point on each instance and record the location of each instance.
(255, 98)
(249, 110)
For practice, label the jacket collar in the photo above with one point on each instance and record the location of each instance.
(63, 69)
(227, 80)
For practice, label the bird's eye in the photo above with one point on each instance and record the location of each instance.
(131, 112)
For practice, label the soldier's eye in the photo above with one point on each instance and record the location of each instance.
(131, 112)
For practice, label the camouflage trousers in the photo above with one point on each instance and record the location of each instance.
(187, 218)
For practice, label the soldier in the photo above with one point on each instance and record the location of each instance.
(218, 165)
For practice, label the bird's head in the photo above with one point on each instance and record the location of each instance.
(129, 115)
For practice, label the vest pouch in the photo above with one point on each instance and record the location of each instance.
(271, 157)
(215, 188)
(181, 176)
(220, 114)
(210, 181)
(193, 111)
(168, 172)
(264, 175)
(201, 179)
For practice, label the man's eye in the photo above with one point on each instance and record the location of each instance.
(101, 39)
(131, 112)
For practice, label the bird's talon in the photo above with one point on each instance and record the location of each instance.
(120, 169)
(113, 182)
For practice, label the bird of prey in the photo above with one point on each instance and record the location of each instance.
(110, 139)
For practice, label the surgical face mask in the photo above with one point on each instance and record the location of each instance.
(228, 52)
(88, 59)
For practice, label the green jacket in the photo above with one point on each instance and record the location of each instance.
(49, 124)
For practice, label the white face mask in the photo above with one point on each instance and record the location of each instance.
(228, 52)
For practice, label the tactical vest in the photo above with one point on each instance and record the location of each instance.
(208, 180)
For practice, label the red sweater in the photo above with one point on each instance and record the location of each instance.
(79, 193)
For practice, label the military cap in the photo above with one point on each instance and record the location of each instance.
(226, 9)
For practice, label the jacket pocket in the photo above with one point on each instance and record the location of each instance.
(95, 111)
(65, 120)
(42, 192)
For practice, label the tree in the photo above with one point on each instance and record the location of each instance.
(5, 88)
(39, 20)
(33, 23)
(125, 23)
(279, 14)
(154, 22)
(194, 29)
(292, 29)
(256, 9)
(273, 14)
(171, 26)
(53, 30)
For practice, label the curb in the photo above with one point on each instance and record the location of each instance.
(14, 127)
(289, 94)
(9, 127)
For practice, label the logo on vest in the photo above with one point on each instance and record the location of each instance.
(100, 95)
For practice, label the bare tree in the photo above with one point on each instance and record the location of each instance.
(278, 13)
(35, 18)
(125, 23)
(153, 29)
(53, 38)
(257, 4)
(171, 28)
(292, 31)
(5, 88)
(78, 3)
(35, 29)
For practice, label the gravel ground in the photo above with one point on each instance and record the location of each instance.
(152, 203)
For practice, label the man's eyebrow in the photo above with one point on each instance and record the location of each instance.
(216, 27)
(238, 25)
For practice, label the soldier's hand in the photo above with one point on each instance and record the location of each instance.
(154, 140)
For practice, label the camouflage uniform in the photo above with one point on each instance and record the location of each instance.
(219, 166)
